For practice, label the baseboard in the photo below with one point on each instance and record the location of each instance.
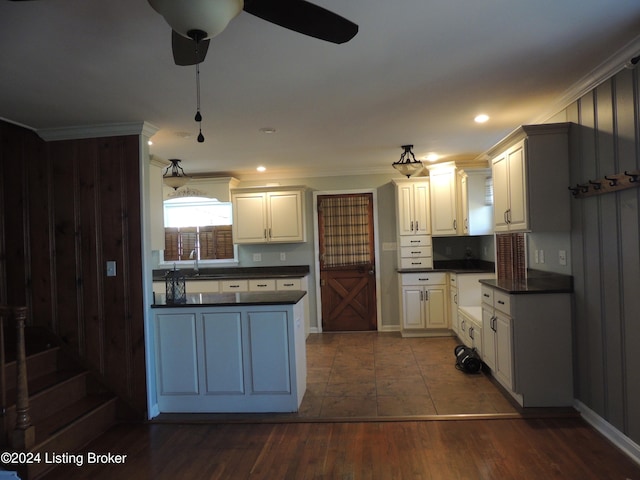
(615, 436)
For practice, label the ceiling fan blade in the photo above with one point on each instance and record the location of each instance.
(304, 17)
(185, 51)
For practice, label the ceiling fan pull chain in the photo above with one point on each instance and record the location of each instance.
(198, 117)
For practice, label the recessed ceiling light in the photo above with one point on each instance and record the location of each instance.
(261, 168)
(431, 157)
(268, 130)
(481, 118)
(149, 142)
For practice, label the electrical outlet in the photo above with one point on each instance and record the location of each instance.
(283, 256)
(257, 257)
(536, 256)
(562, 257)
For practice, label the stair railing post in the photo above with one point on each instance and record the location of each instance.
(3, 381)
(23, 436)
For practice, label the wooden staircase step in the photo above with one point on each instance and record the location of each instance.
(38, 363)
(85, 421)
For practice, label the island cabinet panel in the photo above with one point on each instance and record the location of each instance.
(176, 344)
(222, 336)
(269, 341)
(230, 359)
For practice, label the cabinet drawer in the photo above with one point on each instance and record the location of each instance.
(425, 278)
(235, 285)
(502, 302)
(415, 241)
(487, 295)
(413, 252)
(288, 284)
(203, 286)
(422, 262)
(262, 285)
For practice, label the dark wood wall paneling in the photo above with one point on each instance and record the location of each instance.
(67, 207)
(606, 254)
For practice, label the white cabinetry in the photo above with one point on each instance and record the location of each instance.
(526, 342)
(230, 359)
(470, 327)
(530, 176)
(444, 200)
(273, 216)
(423, 303)
(413, 210)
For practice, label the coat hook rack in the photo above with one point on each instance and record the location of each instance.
(610, 183)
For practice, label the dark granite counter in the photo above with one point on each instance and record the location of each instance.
(287, 297)
(536, 282)
(237, 273)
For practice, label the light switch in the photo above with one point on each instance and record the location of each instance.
(257, 257)
(283, 256)
(562, 257)
(111, 268)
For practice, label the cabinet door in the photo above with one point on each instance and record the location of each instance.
(412, 307)
(504, 353)
(404, 197)
(285, 217)
(421, 209)
(453, 295)
(436, 307)
(500, 193)
(463, 205)
(249, 218)
(488, 339)
(517, 187)
(443, 202)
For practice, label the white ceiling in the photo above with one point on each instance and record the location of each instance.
(417, 72)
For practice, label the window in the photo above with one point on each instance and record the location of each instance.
(197, 228)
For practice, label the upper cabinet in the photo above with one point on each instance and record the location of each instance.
(530, 177)
(413, 206)
(443, 181)
(268, 215)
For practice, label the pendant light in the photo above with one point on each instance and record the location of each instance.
(405, 165)
(175, 178)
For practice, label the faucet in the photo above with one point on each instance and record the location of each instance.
(194, 256)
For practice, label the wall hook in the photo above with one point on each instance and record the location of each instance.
(583, 188)
(613, 181)
(574, 190)
(633, 176)
(596, 185)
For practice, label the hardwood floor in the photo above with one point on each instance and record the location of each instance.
(531, 449)
(359, 420)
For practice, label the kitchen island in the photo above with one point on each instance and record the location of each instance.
(231, 352)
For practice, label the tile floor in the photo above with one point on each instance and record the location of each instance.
(384, 375)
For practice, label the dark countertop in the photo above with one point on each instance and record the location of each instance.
(536, 282)
(236, 273)
(287, 297)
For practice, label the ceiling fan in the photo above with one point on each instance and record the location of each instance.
(194, 22)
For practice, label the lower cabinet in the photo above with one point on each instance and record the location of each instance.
(423, 303)
(527, 344)
(470, 327)
(230, 359)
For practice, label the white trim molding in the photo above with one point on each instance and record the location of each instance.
(97, 131)
(611, 433)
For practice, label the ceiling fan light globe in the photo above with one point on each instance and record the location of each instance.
(210, 16)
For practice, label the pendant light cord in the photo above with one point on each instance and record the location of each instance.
(198, 117)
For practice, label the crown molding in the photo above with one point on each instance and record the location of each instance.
(145, 129)
(601, 73)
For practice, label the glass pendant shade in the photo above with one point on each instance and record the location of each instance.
(407, 165)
